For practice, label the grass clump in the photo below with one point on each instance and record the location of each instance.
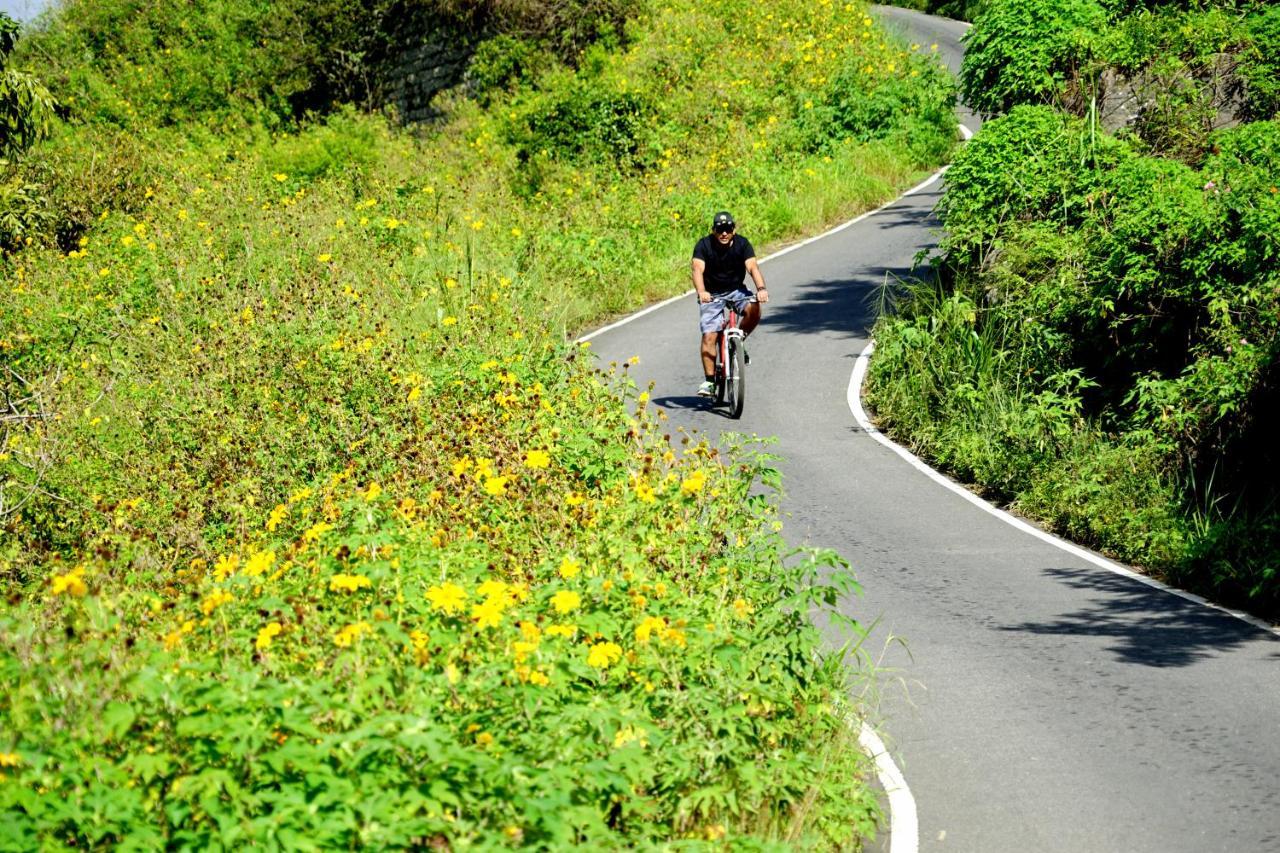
(315, 528)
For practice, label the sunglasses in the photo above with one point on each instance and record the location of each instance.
(724, 229)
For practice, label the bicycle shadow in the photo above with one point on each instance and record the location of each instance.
(690, 403)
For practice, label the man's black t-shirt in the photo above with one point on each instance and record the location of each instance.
(726, 265)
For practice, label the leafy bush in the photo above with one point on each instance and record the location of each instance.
(592, 120)
(1099, 305)
(1262, 69)
(1031, 51)
(890, 98)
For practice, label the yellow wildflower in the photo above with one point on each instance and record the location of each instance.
(646, 628)
(603, 655)
(539, 678)
(10, 759)
(349, 583)
(566, 601)
(277, 515)
(537, 459)
(488, 613)
(693, 484)
(372, 492)
(630, 734)
(315, 531)
(225, 566)
(259, 562)
(675, 637)
(448, 597)
(70, 584)
(645, 492)
(566, 631)
(267, 634)
(569, 567)
(530, 632)
(741, 609)
(351, 634)
(496, 486)
(214, 600)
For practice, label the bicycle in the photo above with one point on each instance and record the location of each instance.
(731, 374)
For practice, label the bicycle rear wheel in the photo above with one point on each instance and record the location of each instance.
(737, 379)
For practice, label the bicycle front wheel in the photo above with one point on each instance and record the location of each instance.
(737, 376)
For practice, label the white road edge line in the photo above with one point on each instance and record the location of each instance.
(904, 825)
(854, 397)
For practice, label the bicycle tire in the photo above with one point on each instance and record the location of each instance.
(737, 379)
(721, 372)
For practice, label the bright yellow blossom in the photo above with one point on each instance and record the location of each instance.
(566, 631)
(259, 562)
(349, 583)
(693, 484)
(495, 486)
(646, 628)
(569, 567)
(604, 655)
(488, 613)
(566, 601)
(448, 597)
(537, 459)
(267, 633)
(71, 584)
(277, 515)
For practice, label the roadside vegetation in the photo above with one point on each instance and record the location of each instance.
(314, 528)
(1101, 347)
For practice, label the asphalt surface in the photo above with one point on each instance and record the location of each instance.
(1036, 702)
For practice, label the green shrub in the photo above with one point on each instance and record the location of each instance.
(912, 101)
(1261, 71)
(1033, 52)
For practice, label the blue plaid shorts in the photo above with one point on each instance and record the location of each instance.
(712, 315)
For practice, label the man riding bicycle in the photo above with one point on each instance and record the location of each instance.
(721, 261)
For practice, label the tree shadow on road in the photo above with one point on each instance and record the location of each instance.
(849, 305)
(1151, 627)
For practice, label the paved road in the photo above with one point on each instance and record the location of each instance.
(1052, 705)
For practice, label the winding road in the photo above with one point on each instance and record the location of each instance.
(1037, 702)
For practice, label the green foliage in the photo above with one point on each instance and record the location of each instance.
(279, 384)
(591, 120)
(1033, 51)
(961, 10)
(863, 102)
(1261, 71)
(1103, 305)
(26, 107)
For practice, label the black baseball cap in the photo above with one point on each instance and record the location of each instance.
(723, 221)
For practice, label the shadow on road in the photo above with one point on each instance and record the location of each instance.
(1151, 627)
(689, 403)
(849, 305)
